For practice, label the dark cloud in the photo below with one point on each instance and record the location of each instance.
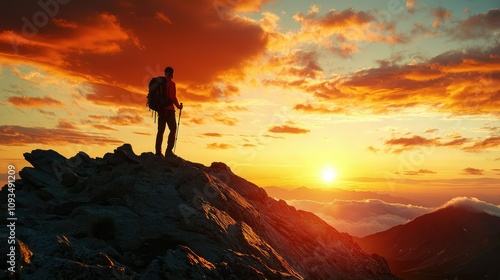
(440, 14)
(480, 26)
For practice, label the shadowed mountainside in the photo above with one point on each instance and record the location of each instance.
(455, 242)
(125, 216)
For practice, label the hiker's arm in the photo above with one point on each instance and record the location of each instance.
(173, 95)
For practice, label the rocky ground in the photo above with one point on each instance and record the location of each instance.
(125, 216)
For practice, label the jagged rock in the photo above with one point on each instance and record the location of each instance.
(126, 216)
(45, 160)
(220, 166)
(69, 179)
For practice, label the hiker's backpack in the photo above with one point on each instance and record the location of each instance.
(157, 95)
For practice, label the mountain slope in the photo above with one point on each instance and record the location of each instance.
(125, 216)
(450, 243)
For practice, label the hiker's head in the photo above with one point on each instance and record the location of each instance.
(169, 71)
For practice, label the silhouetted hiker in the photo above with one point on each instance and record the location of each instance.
(167, 116)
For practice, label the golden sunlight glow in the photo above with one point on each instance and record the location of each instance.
(328, 174)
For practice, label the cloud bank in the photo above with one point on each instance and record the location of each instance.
(364, 217)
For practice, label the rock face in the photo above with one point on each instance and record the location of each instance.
(125, 216)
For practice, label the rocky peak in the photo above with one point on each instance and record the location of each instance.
(125, 216)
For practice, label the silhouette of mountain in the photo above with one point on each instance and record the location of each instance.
(456, 242)
(322, 195)
(126, 216)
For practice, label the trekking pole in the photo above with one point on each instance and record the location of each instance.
(177, 131)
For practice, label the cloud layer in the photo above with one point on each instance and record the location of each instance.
(117, 50)
(364, 217)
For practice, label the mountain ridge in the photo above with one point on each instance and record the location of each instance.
(128, 216)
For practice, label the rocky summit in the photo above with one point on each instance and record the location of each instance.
(128, 216)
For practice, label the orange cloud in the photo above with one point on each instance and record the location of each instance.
(488, 143)
(319, 109)
(34, 102)
(333, 20)
(249, 145)
(440, 14)
(196, 120)
(343, 29)
(219, 146)
(212, 134)
(297, 63)
(288, 129)
(142, 133)
(456, 82)
(65, 23)
(66, 125)
(455, 141)
(472, 171)
(419, 172)
(13, 135)
(373, 149)
(431, 130)
(119, 119)
(104, 94)
(236, 108)
(105, 127)
(413, 141)
(409, 143)
(116, 52)
(230, 121)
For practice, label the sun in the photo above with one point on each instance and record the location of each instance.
(328, 174)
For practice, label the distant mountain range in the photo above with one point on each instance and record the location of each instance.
(323, 195)
(450, 243)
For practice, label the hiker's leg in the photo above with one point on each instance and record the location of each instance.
(173, 128)
(162, 121)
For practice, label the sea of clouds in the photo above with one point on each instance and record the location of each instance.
(364, 217)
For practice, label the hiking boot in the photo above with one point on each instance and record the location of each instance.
(159, 154)
(170, 154)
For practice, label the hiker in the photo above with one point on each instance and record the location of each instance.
(167, 116)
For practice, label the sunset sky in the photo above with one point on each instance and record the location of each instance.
(401, 97)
